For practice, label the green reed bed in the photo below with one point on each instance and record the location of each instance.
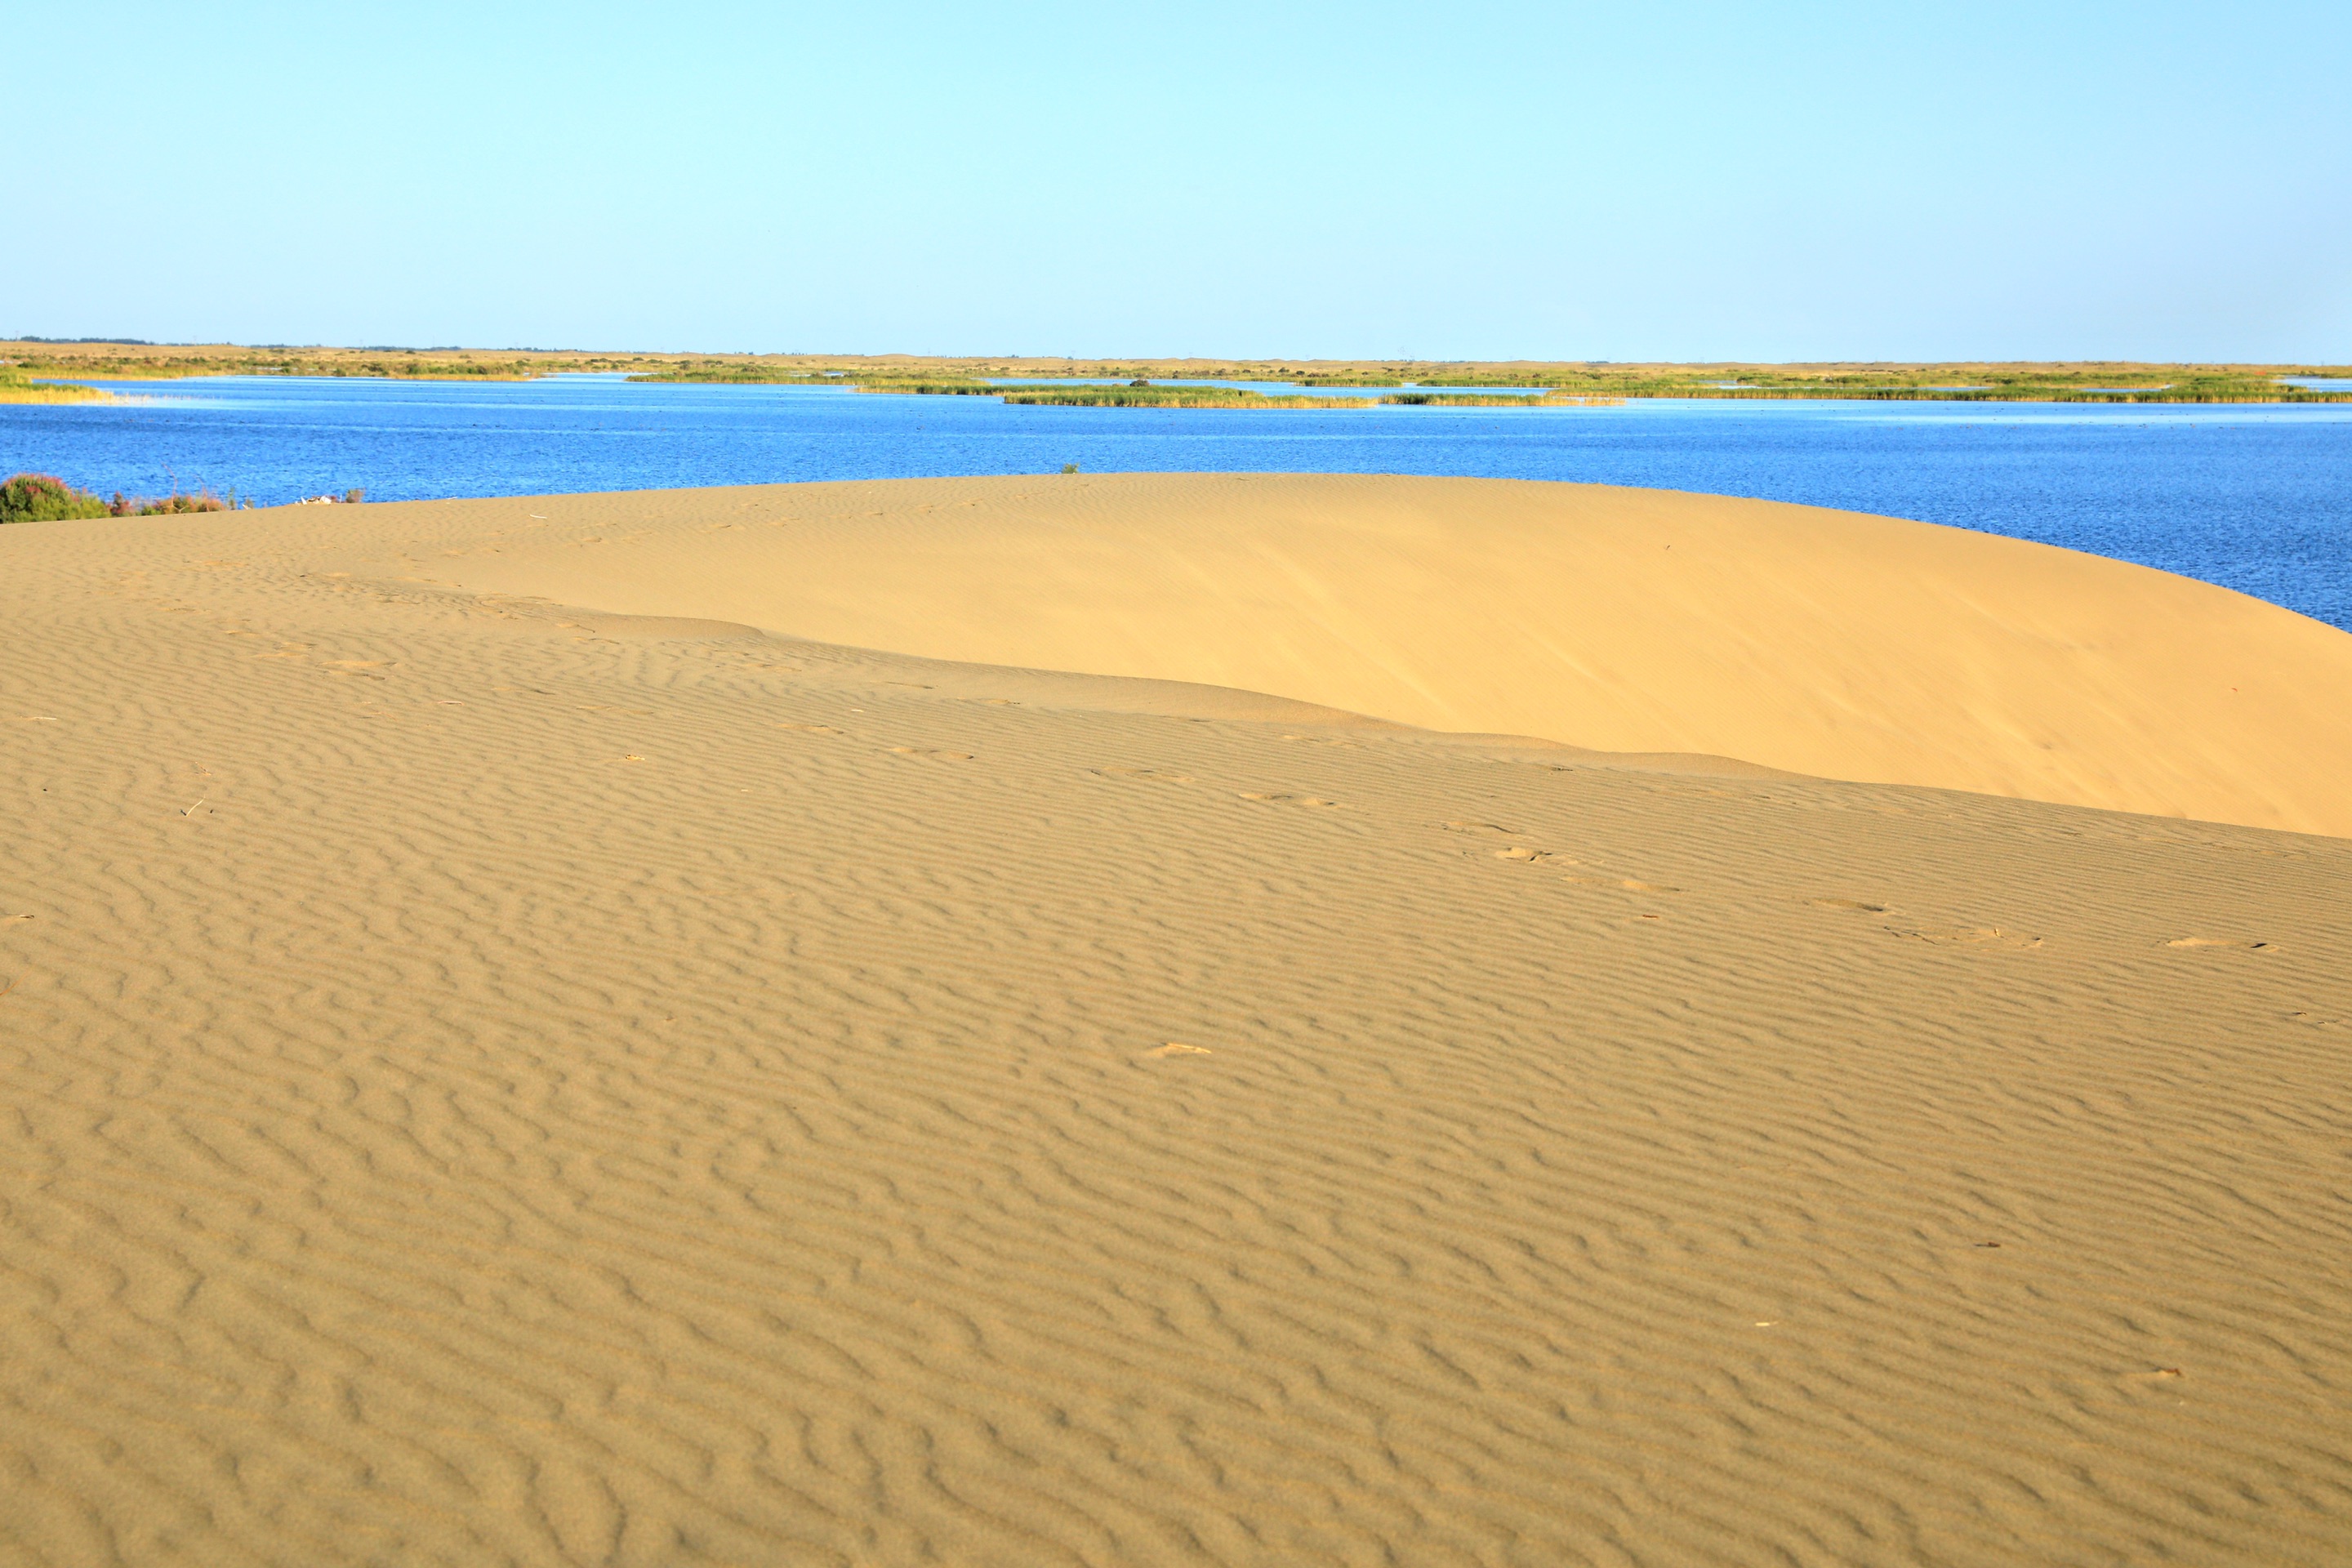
(741, 375)
(1499, 400)
(17, 388)
(1159, 398)
(1919, 383)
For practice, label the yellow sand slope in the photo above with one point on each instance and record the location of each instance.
(483, 1082)
(1819, 642)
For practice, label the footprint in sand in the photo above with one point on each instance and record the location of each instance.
(1176, 1049)
(927, 752)
(1523, 855)
(1965, 936)
(1313, 800)
(2219, 942)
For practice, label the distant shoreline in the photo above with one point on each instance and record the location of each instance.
(23, 361)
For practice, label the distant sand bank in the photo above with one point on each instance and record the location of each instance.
(486, 1076)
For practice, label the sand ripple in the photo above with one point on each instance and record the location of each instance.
(476, 1088)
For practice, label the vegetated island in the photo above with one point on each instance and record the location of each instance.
(18, 386)
(1141, 383)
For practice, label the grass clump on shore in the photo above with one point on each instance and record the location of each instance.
(45, 498)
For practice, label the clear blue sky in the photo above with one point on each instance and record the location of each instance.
(1751, 180)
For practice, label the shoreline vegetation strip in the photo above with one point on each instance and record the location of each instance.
(45, 371)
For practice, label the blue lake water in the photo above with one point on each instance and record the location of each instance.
(2255, 497)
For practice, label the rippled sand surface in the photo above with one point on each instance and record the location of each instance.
(491, 1078)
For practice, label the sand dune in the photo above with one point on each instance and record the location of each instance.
(1823, 642)
(487, 1080)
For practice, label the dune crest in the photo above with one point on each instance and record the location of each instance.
(1831, 644)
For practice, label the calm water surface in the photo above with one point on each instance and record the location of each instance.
(2258, 497)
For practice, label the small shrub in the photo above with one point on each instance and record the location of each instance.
(171, 506)
(168, 506)
(45, 498)
(1069, 468)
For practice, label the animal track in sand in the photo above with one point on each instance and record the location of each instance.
(1965, 936)
(930, 752)
(1848, 904)
(1177, 1048)
(1314, 800)
(2219, 942)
